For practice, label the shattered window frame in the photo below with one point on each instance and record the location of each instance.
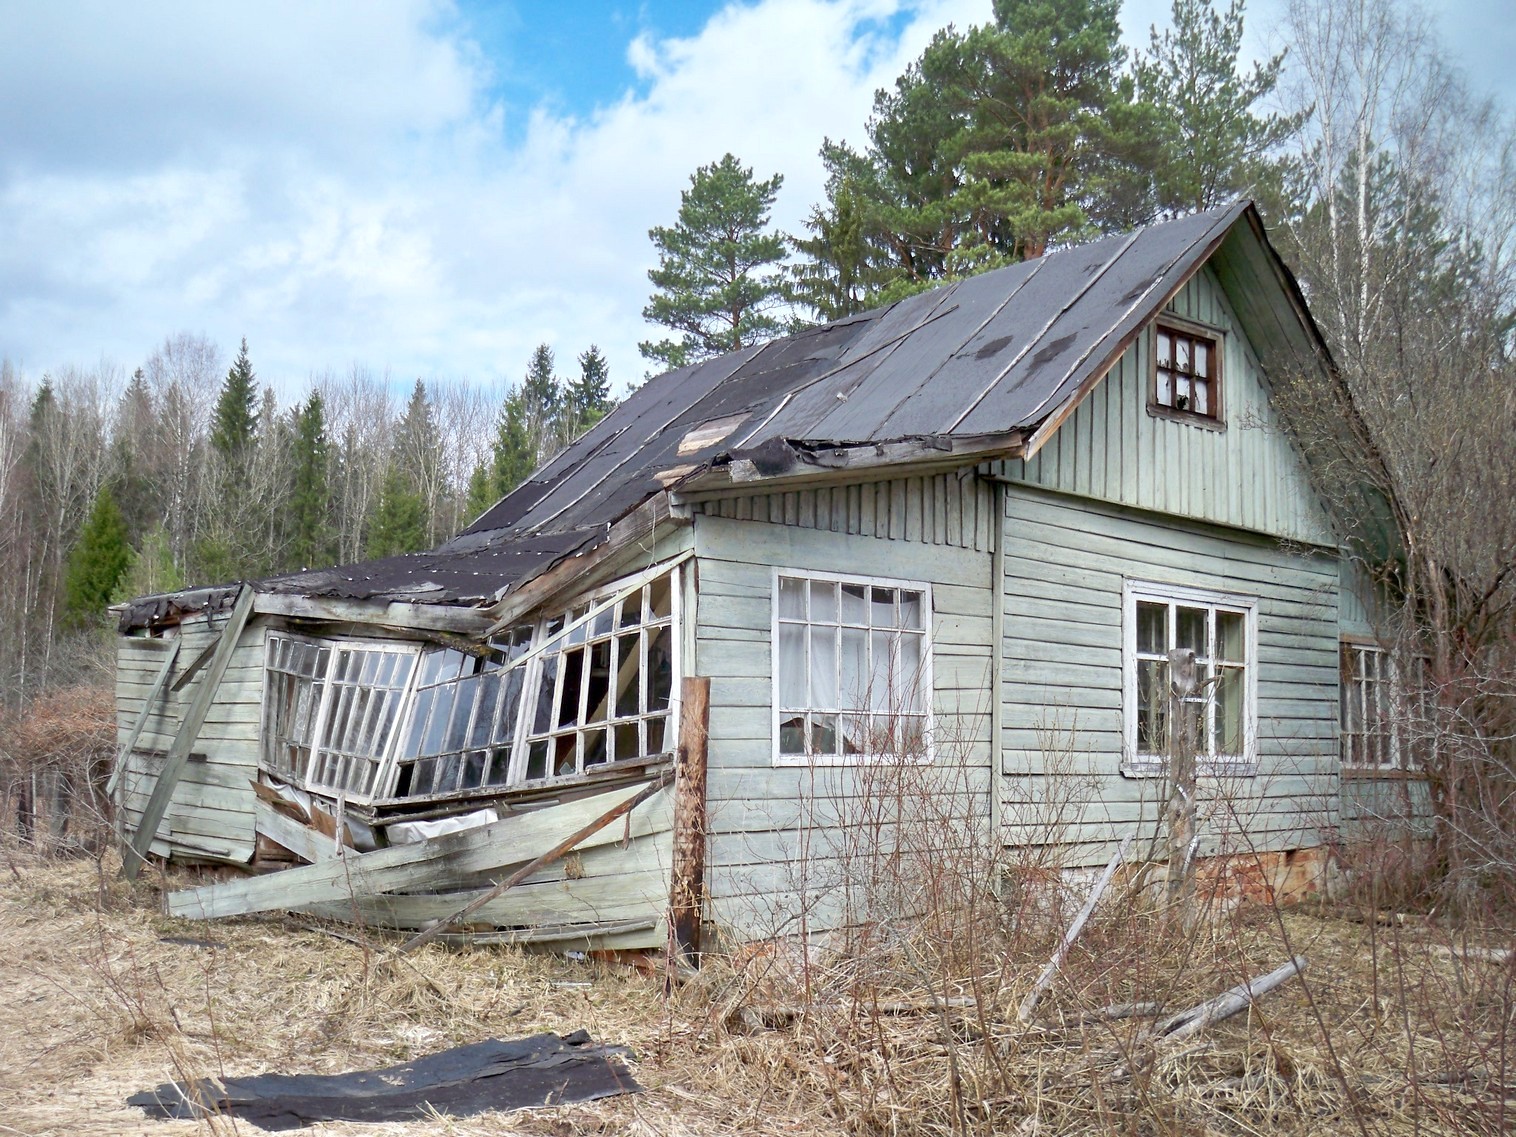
(469, 723)
(1145, 674)
(460, 728)
(880, 708)
(563, 734)
(1179, 386)
(331, 707)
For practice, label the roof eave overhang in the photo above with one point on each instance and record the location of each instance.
(781, 465)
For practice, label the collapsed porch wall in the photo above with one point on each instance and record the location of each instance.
(1066, 560)
(784, 839)
(210, 815)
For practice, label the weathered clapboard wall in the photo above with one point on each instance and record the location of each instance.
(1248, 475)
(1064, 571)
(211, 812)
(785, 841)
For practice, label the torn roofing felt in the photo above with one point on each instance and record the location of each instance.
(979, 363)
(493, 1074)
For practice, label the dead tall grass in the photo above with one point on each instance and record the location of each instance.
(904, 1024)
(55, 758)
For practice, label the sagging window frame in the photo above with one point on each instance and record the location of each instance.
(1215, 338)
(1406, 714)
(924, 684)
(1134, 762)
(544, 643)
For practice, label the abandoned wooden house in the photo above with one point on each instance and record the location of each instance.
(652, 688)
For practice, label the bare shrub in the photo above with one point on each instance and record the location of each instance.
(56, 756)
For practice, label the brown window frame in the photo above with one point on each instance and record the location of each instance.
(1215, 340)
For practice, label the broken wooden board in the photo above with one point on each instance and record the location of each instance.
(514, 840)
(616, 885)
(305, 842)
(493, 1074)
(123, 753)
(184, 740)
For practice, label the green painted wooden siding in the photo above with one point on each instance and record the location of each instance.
(1248, 475)
(1066, 561)
(211, 811)
(950, 509)
(784, 841)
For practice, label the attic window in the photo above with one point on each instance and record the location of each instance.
(1186, 370)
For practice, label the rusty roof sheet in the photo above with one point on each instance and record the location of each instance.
(991, 356)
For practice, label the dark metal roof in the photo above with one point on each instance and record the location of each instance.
(988, 358)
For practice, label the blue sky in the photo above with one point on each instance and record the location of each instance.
(427, 187)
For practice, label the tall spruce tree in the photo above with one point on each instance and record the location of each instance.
(514, 454)
(1216, 145)
(235, 421)
(97, 563)
(588, 398)
(310, 494)
(400, 521)
(542, 403)
(717, 284)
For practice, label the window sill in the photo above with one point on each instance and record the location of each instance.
(801, 761)
(1236, 768)
(1188, 418)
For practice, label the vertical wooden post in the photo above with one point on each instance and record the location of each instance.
(688, 869)
(1184, 682)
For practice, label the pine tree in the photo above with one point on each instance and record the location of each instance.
(97, 563)
(716, 283)
(236, 417)
(588, 397)
(400, 521)
(1216, 146)
(310, 486)
(994, 145)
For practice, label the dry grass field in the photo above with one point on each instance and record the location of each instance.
(1395, 1028)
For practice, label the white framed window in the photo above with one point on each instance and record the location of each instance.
(605, 692)
(1383, 710)
(330, 709)
(1222, 631)
(852, 668)
(390, 720)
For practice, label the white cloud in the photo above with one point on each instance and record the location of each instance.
(332, 182)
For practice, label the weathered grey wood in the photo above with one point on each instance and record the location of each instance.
(688, 870)
(607, 882)
(1029, 1004)
(147, 711)
(184, 741)
(557, 852)
(429, 864)
(590, 933)
(1228, 1003)
(305, 842)
(396, 613)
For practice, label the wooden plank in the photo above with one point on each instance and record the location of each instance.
(557, 852)
(147, 709)
(429, 864)
(617, 884)
(394, 613)
(184, 741)
(305, 842)
(688, 869)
